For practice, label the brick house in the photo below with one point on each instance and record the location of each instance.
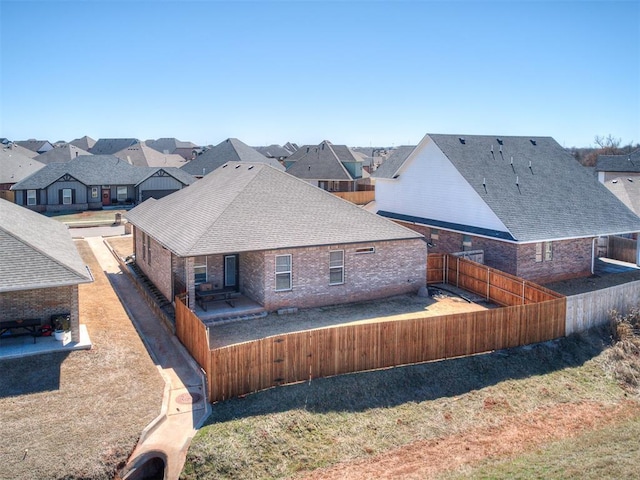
(40, 268)
(331, 167)
(275, 239)
(91, 182)
(525, 202)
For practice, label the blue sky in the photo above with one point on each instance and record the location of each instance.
(353, 72)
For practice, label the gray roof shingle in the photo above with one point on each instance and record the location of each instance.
(322, 162)
(394, 161)
(14, 166)
(544, 194)
(109, 146)
(61, 154)
(36, 251)
(141, 155)
(619, 163)
(229, 150)
(244, 207)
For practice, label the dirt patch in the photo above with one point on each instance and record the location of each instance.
(80, 414)
(123, 246)
(512, 436)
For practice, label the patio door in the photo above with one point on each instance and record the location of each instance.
(231, 271)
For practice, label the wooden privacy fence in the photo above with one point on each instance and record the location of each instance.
(590, 309)
(623, 249)
(496, 286)
(359, 198)
(260, 364)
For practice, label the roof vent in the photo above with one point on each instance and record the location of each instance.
(237, 167)
(223, 166)
(250, 167)
(307, 149)
(629, 179)
(614, 181)
(499, 140)
(462, 140)
(530, 168)
(323, 146)
(484, 184)
(533, 142)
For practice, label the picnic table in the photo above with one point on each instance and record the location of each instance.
(206, 294)
(28, 326)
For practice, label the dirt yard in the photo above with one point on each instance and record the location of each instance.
(79, 414)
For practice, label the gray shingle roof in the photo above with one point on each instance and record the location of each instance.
(627, 190)
(94, 170)
(556, 198)
(15, 166)
(393, 162)
(61, 154)
(85, 143)
(322, 162)
(273, 151)
(229, 150)
(35, 145)
(109, 146)
(36, 251)
(141, 155)
(244, 207)
(619, 163)
(169, 144)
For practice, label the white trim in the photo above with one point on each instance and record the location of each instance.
(282, 273)
(335, 267)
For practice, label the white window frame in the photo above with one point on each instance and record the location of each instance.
(538, 252)
(548, 251)
(67, 199)
(283, 270)
(122, 197)
(32, 198)
(336, 265)
(198, 267)
(94, 192)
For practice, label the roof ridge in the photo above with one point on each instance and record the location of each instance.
(330, 145)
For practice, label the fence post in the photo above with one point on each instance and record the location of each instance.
(457, 271)
(523, 291)
(488, 277)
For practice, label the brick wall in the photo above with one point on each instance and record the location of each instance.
(158, 268)
(571, 258)
(42, 303)
(396, 267)
(252, 275)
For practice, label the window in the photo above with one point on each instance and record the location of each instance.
(366, 250)
(538, 252)
(336, 267)
(148, 250)
(200, 270)
(548, 251)
(66, 196)
(94, 192)
(144, 246)
(122, 194)
(283, 272)
(466, 241)
(31, 197)
(435, 233)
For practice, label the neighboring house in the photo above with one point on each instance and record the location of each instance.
(109, 146)
(331, 167)
(63, 153)
(394, 160)
(274, 151)
(85, 143)
(173, 146)
(525, 202)
(274, 238)
(621, 175)
(141, 155)
(95, 181)
(41, 268)
(229, 150)
(13, 168)
(37, 146)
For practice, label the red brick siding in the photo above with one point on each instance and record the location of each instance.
(571, 258)
(159, 269)
(42, 303)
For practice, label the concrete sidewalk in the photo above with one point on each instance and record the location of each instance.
(185, 406)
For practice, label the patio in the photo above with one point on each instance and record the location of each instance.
(223, 311)
(23, 346)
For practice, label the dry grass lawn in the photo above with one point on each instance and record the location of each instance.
(79, 414)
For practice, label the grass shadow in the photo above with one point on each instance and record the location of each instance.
(416, 383)
(31, 374)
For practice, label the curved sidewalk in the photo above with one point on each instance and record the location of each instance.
(185, 407)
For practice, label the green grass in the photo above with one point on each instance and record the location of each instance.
(290, 429)
(608, 453)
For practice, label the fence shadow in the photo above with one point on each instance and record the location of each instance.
(31, 374)
(361, 391)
